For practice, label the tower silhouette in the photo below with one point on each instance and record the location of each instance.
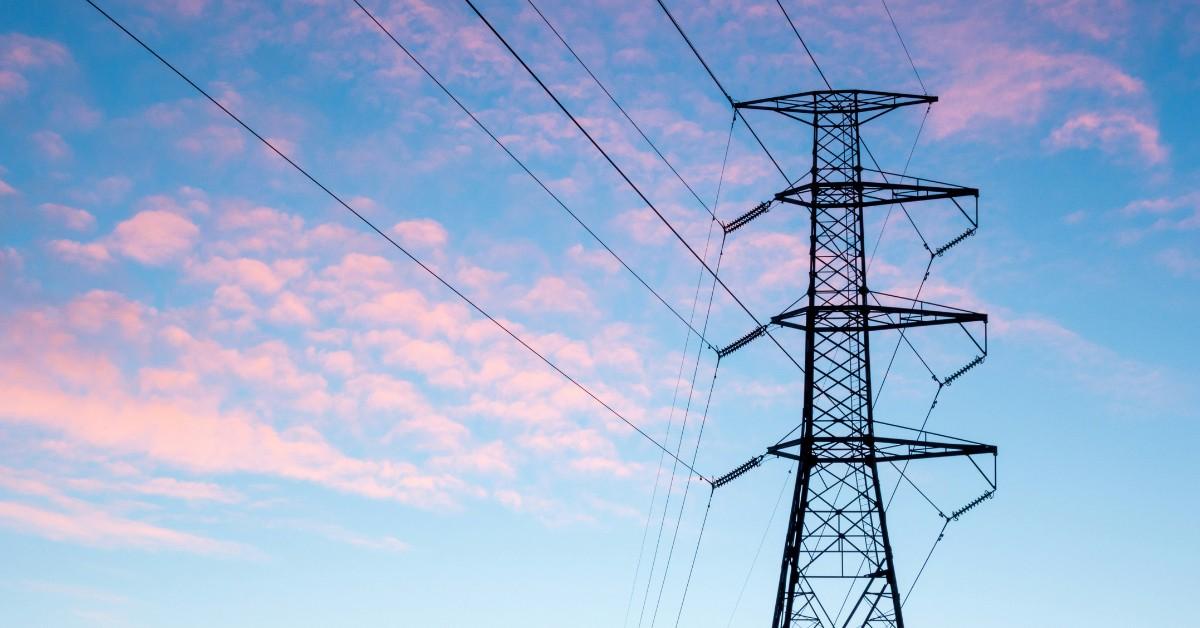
(837, 567)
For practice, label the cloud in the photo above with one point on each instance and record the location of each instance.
(1162, 214)
(92, 526)
(1100, 20)
(997, 82)
(68, 519)
(20, 53)
(203, 441)
(71, 217)
(421, 233)
(1117, 133)
(557, 294)
(185, 490)
(51, 144)
(593, 258)
(290, 309)
(217, 141)
(11, 262)
(101, 310)
(252, 274)
(90, 255)
(6, 189)
(12, 84)
(1182, 263)
(384, 543)
(154, 237)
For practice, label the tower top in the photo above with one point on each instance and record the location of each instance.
(836, 101)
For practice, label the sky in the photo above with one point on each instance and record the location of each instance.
(225, 401)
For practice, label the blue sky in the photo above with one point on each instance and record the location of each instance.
(226, 402)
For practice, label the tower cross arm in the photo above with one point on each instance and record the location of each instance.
(872, 317)
(871, 193)
(868, 448)
(834, 101)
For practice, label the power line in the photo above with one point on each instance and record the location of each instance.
(625, 176)
(695, 554)
(678, 379)
(528, 171)
(903, 45)
(695, 452)
(683, 503)
(721, 87)
(802, 43)
(612, 98)
(682, 430)
(761, 541)
(389, 239)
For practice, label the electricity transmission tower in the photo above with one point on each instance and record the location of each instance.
(838, 568)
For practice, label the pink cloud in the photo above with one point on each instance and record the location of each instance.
(1163, 204)
(69, 519)
(479, 278)
(186, 490)
(437, 360)
(338, 362)
(336, 533)
(12, 84)
(72, 217)
(154, 237)
(218, 141)
(423, 233)
(233, 298)
(412, 310)
(267, 365)
(6, 189)
(101, 309)
(605, 466)
(1182, 263)
(287, 147)
(1097, 19)
(594, 258)
(90, 255)
(557, 294)
(22, 53)
(999, 83)
(91, 526)
(11, 262)
(155, 380)
(1118, 133)
(357, 265)
(490, 459)
(251, 274)
(290, 309)
(588, 441)
(200, 440)
(51, 144)
(434, 432)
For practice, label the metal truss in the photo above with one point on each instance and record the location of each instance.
(837, 548)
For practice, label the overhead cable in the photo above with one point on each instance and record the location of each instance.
(527, 170)
(429, 270)
(637, 190)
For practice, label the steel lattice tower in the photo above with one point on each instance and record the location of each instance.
(837, 548)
